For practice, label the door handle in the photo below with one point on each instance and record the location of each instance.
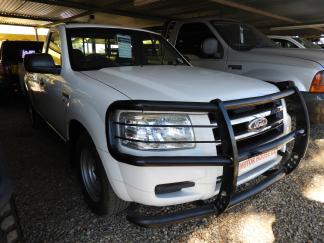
(235, 67)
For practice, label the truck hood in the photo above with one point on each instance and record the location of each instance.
(306, 54)
(179, 83)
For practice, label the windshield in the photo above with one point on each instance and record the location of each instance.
(242, 36)
(96, 48)
(307, 43)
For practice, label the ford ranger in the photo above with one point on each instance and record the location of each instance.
(145, 126)
(239, 48)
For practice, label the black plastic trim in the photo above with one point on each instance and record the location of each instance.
(216, 107)
(174, 161)
(204, 210)
(254, 151)
(230, 155)
(151, 221)
(172, 187)
(242, 196)
(258, 100)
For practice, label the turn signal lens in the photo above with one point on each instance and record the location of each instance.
(317, 83)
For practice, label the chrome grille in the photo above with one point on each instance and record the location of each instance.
(240, 119)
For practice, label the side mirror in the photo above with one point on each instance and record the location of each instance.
(40, 63)
(209, 47)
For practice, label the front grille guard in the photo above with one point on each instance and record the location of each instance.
(230, 156)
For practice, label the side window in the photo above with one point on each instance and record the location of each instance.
(291, 45)
(54, 47)
(155, 53)
(197, 39)
(278, 42)
(284, 43)
(92, 46)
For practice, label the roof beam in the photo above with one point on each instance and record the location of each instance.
(86, 13)
(255, 10)
(25, 25)
(20, 16)
(259, 12)
(106, 9)
(67, 3)
(298, 27)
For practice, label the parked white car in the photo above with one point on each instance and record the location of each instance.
(239, 48)
(145, 126)
(293, 42)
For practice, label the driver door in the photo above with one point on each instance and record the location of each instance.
(199, 44)
(55, 105)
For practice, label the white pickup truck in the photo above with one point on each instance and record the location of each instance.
(145, 126)
(239, 48)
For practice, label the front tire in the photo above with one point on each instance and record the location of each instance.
(96, 188)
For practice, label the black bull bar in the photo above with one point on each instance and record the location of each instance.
(230, 156)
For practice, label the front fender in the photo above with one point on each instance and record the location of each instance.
(277, 76)
(86, 115)
(91, 115)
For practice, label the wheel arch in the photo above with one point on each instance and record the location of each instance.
(75, 129)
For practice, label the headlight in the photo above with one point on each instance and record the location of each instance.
(151, 131)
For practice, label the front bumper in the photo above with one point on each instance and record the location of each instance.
(227, 195)
(315, 106)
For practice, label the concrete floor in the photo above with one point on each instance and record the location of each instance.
(51, 207)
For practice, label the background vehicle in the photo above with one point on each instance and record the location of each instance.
(145, 126)
(9, 226)
(293, 42)
(11, 62)
(321, 45)
(239, 48)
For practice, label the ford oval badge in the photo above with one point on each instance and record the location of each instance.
(257, 124)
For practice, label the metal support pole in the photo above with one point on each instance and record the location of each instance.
(36, 34)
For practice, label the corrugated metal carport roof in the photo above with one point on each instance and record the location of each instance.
(262, 13)
(33, 13)
(21, 21)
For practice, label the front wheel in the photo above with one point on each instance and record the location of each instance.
(96, 188)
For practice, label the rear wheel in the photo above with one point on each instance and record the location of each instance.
(9, 225)
(96, 188)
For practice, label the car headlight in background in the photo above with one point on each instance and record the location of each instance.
(153, 131)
